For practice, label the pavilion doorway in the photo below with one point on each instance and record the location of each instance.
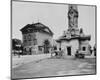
(69, 50)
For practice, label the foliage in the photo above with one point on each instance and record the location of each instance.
(46, 46)
(16, 45)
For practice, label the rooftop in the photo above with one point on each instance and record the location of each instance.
(36, 27)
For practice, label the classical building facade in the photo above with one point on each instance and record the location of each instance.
(34, 37)
(73, 38)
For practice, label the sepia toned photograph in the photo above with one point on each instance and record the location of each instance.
(52, 39)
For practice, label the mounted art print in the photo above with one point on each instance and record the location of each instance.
(52, 39)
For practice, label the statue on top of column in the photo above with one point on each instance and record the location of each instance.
(73, 19)
(72, 16)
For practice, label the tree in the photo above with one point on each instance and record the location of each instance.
(46, 46)
(16, 44)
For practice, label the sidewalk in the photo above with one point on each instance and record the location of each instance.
(27, 58)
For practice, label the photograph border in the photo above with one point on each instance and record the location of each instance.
(56, 4)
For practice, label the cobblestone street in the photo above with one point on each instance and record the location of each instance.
(55, 67)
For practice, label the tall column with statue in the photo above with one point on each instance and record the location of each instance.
(73, 19)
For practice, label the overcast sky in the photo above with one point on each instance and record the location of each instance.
(52, 15)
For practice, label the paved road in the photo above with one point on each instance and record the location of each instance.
(54, 67)
(16, 61)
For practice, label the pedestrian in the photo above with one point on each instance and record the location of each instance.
(60, 52)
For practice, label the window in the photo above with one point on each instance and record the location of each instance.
(25, 39)
(84, 48)
(35, 41)
(55, 48)
(46, 30)
(29, 37)
(40, 48)
(24, 49)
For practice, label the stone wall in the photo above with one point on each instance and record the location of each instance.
(74, 44)
(31, 41)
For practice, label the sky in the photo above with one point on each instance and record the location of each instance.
(52, 15)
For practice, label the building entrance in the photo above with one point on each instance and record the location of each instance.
(69, 51)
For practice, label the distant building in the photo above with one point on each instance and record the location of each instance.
(34, 36)
(73, 38)
(16, 46)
